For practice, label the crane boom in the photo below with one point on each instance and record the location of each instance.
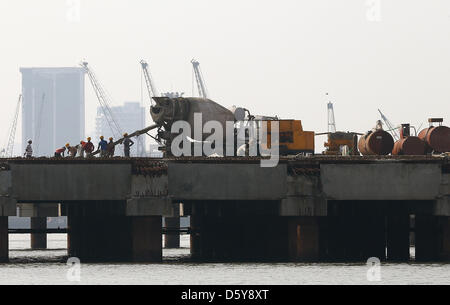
(151, 88)
(104, 102)
(391, 127)
(8, 151)
(201, 86)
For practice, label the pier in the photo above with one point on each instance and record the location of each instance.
(314, 208)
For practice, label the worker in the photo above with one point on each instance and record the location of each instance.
(110, 148)
(127, 143)
(60, 151)
(80, 149)
(102, 146)
(72, 151)
(29, 150)
(88, 147)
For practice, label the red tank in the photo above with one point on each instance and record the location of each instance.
(436, 138)
(377, 142)
(409, 146)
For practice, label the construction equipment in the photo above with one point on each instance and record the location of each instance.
(8, 151)
(392, 130)
(436, 138)
(104, 101)
(151, 88)
(338, 140)
(201, 86)
(292, 139)
(408, 144)
(376, 141)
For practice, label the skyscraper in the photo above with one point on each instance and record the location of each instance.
(53, 112)
(130, 117)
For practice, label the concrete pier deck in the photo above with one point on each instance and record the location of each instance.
(307, 208)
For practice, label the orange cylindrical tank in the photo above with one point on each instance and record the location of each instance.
(378, 142)
(409, 146)
(436, 138)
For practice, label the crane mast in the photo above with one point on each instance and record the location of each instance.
(201, 86)
(8, 151)
(331, 121)
(151, 88)
(391, 127)
(104, 102)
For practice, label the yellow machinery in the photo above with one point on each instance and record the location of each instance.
(292, 139)
(337, 140)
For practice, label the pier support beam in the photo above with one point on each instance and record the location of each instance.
(444, 236)
(38, 240)
(172, 239)
(427, 238)
(101, 233)
(239, 238)
(4, 242)
(355, 238)
(398, 237)
(146, 238)
(305, 235)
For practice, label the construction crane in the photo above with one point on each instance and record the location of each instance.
(8, 151)
(104, 102)
(331, 121)
(151, 88)
(201, 86)
(391, 128)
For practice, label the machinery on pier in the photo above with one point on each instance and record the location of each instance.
(338, 141)
(436, 138)
(201, 85)
(408, 144)
(376, 141)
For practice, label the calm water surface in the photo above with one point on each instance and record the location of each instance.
(48, 267)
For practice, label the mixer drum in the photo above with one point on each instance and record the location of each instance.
(437, 139)
(412, 146)
(377, 142)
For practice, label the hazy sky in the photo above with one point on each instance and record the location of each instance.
(272, 57)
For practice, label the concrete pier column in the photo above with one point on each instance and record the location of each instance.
(304, 238)
(4, 241)
(146, 238)
(99, 232)
(355, 238)
(444, 238)
(172, 239)
(38, 240)
(427, 238)
(398, 237)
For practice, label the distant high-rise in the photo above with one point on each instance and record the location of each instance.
(53, 108)
(130, 117)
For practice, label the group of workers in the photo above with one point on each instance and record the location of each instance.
(106, 149)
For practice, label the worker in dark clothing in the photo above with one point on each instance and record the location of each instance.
(110, 148)
(60, 151)
(102, 146)
(127, 143)
(88, 147)
(29, 150)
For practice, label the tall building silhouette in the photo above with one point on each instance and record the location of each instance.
(130, 117)
(53, 109)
